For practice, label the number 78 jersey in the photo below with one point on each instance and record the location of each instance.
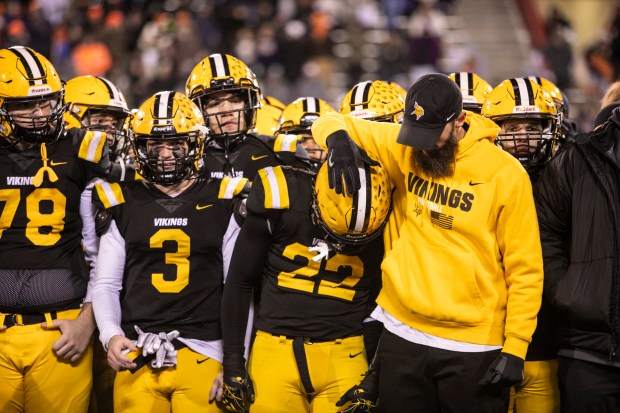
(301, 297)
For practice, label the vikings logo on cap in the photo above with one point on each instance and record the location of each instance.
(418, 111)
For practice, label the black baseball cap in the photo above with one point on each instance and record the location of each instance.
(432, 102)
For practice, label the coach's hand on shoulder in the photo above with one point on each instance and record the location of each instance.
(118, 347)
(506, 370)
(238, 393)
(343, 156)
(362, 398)
(75, 334)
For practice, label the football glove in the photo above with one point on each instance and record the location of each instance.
(362, 397)
(343, 156)
(160, 345)
(237, 394)
(506, 370)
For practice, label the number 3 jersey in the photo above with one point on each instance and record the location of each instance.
(173, 272)
(301, 297)
(42, 265)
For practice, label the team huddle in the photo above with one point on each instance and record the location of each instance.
(232, 253)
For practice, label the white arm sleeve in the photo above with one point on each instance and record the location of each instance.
(90, 241)
(108, 284)
(228, 243)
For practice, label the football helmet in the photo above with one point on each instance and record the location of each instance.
(31, 98)
(268, 115)
(296, 119)
(555, 93)
(168, 118)
(474, 89)
(93, 95)
(401, 91)
(356, 219)
(377, 101)
(523, 99)
(220, 73)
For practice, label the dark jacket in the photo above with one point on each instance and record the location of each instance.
(577, 200)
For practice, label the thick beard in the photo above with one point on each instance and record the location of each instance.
(437, 162)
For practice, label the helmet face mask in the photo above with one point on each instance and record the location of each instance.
(520, 101)
(357, 219)
(31, 99)
(168, 135)
(222, 73)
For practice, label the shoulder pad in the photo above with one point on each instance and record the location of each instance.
(102, 221)
(93, 146)
(286, 143)
(232, 187)
(274, 183)
(107, 195)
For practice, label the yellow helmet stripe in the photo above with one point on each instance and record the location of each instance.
(359, 97)
(360, 213)
(276, 191)
(230, 187)
(91, 147)
(34, 68)
(110, 194)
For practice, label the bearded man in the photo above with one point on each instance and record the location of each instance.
(462, 285)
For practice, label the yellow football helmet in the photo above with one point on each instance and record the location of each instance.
(168, 118)
(268, 115)
(474, 89)
(219, 73)
(92, 95)
(31, 98)
(377, 101)
(523, 99)
(296, 119)
(401, 91)
(353, 219)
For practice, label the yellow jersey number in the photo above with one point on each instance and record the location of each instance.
(343, 290)
(178, 258)
(36, 219)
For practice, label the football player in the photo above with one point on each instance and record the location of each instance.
(567, 128)
(474, 89)
(46, 315)
(160, 270)
(308, 349)
(226, 91)
(97, 104)
(294, 126)
(529, 131)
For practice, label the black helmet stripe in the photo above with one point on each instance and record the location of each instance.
(311, 105)
(360, 213)
(360, 93)
(34, 68)
(524, 94)
(112, 90)
(163, 106)
(219, 65)
(465, 82)
(536, 79)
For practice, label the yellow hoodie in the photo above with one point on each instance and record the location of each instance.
(468, 263)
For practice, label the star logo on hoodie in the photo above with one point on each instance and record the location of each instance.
(418, 111)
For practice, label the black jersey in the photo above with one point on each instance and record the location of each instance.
(300, 297)
(245, 158)
(173, 272)
(42, 265)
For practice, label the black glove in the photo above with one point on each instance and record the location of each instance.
(506, 370)
(363, 396)
(238, 394)
(343, 156)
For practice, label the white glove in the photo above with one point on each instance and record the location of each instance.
(322, 250)
(166, 354)
(148, 342)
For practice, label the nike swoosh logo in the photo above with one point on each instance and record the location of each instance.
(52, 163)
(199, 207)
(475, 183)
(355, 355)
(330, 162)
(256, 158)
(202, 361)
